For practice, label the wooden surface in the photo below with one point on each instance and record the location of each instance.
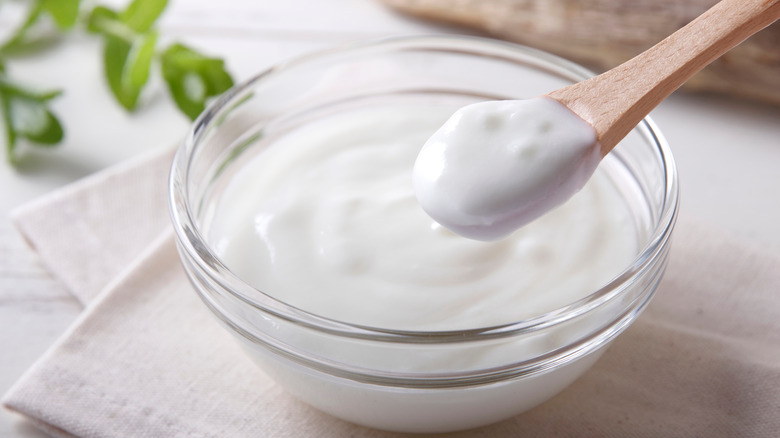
(616, 101)
(605, 33)
(734, 187)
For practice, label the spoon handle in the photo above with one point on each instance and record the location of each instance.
(617, 100)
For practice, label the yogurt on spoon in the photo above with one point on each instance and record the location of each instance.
(495, 166)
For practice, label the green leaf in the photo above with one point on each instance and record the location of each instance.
(51, 135)
(139, 61)
(127, 66)
(99, 18)
(16, 90)
(27, 37)
(129, 47)
(64, 12)
(18, 39)
(140, 15)
(32, 120)
(26, 115)
(115, 53)
(192, 78)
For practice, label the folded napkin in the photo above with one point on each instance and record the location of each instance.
(146, 359)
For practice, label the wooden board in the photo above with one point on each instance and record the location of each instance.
(604, 33)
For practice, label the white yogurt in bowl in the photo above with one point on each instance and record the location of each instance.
(297, 222)
(334, 199)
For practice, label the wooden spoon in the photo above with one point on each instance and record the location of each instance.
(616, 101)
(481, 187)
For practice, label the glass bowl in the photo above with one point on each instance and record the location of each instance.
(410, 380)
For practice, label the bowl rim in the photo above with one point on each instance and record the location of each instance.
(191, 242)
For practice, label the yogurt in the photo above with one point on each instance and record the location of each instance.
(495, 166)
(327, 220)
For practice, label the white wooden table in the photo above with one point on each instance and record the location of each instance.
(728, 152)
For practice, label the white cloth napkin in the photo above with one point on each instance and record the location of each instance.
(145, 359)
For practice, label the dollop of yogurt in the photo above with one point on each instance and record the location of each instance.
(495, 166)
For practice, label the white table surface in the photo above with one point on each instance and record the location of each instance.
(728, 151)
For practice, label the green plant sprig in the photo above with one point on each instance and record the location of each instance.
(130, 49)
(25, 114)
